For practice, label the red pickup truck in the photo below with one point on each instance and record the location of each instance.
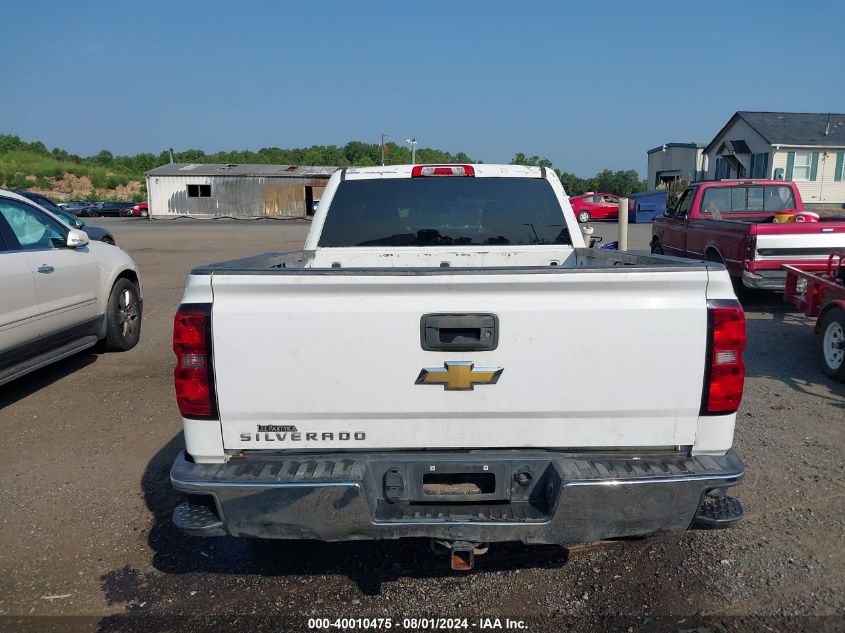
(733, 222)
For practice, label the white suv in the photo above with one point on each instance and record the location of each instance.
(59, 293)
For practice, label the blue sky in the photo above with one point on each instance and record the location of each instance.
(590, 85)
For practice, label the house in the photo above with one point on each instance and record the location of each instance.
(675, 161)
(808, 148)
(210, 189)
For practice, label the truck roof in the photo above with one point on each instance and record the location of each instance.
(727, 182)
(480, 170)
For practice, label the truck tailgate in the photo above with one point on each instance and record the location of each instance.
(793, 241)
(588, 358)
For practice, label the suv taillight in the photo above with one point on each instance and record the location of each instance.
(194, 373)
(725, 371)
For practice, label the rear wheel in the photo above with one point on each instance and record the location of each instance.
(107, 240)
(832, 344)
(656, 247)
(123, 317)
(713, 256)
(741, 292)
(584, 216)
(93, 214)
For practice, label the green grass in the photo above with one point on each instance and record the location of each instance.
(16, 165)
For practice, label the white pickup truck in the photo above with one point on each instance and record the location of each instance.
(446, 359)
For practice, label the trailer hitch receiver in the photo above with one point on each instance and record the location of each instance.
(461, 553)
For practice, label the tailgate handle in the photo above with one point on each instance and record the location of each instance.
(459, 332)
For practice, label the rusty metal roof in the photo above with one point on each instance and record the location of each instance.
(245, 169)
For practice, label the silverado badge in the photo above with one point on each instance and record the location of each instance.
(459, 375)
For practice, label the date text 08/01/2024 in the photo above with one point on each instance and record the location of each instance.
(415, 624)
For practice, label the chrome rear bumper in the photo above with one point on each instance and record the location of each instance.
(534, 496)
(764, 280)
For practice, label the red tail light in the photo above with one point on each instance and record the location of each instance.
(725, 371)
(194, 373)
(750, 244)
(442, 170)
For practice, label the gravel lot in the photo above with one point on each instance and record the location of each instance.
(87, 542)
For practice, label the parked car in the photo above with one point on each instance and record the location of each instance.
(40, 199)
(75, 206)
(459, 400)
(732, 222)
(94, 232)
(61, 293)
(139, 210)
(595, 206)
(111, 208)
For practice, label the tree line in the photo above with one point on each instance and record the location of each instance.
(622, 183)
(354, 153)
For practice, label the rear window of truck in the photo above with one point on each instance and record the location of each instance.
(747, 199)
(450, 211)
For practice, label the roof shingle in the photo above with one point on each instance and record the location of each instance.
(798, 128)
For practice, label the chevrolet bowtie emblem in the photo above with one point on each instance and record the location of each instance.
(459, 375)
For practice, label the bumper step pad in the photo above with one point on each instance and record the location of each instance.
(718, 511)
(198, 520)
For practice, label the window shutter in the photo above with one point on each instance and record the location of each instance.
(814, 166)
(759, 162)
(790, 163)
(838, 174)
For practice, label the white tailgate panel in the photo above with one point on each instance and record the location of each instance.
(590, 359)
(826, 241)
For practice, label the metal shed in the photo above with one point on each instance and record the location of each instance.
(212, 189)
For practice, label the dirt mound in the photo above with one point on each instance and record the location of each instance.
(71, 187)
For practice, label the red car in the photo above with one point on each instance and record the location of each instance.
(595, 206)
(140, 210)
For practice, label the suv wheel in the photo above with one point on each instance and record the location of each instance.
(123, 317)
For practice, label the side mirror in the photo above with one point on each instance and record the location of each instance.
(76, 238)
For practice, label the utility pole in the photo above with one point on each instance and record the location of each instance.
(381, 148)
(413, 143)
(622, 224)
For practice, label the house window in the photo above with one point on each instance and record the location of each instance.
(801, 166)
(199, 191)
